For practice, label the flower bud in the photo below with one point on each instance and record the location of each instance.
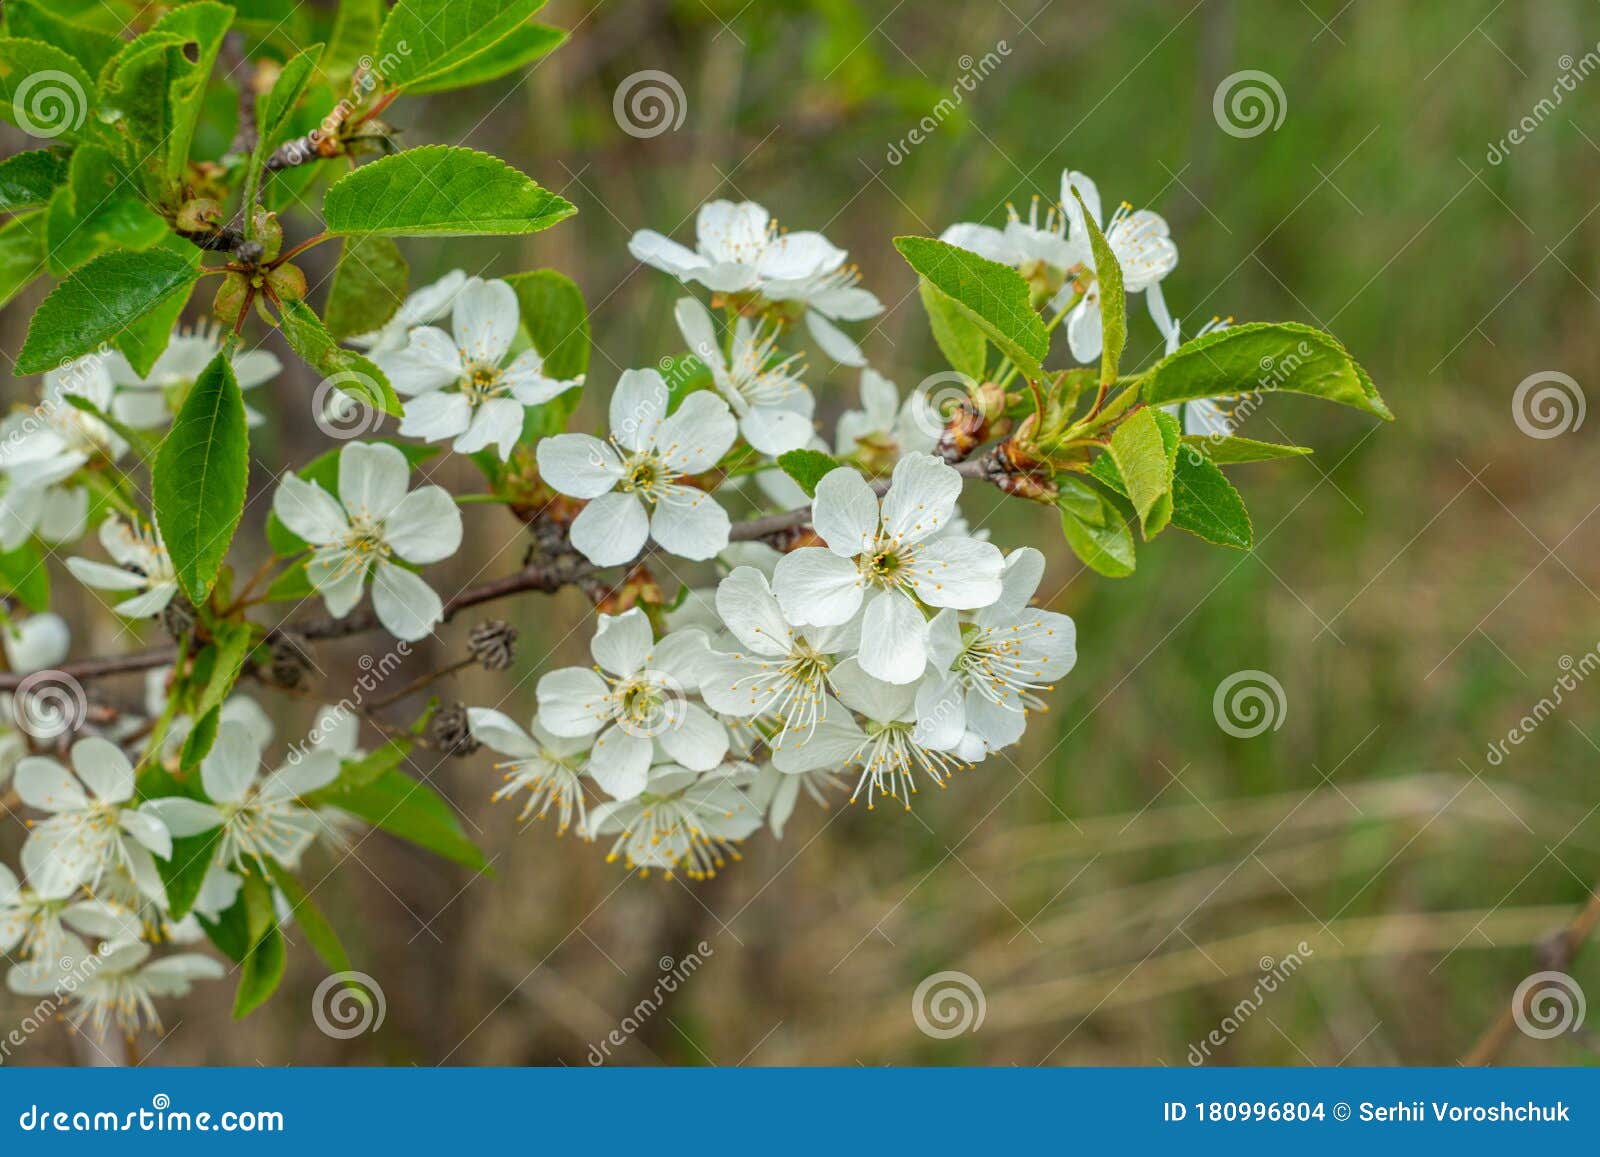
(200, 215)
(287, 282)
(231, 296)
(492, 644)
(268, 232)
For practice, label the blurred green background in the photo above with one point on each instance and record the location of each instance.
(1118, 884)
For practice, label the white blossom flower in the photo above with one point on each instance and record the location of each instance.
(633, 483)
(893, 748)
(149, 401)
(373, 522)
(37, 926)
(1202, 417)
(636, 697)
(93, 830)
(784, 672)
(118, 985)
(456, 386)
(1143, 248)
(893, 553)
(41, 450)
(260, 816)
(682, 821)
(884, 428)
(31, 644)
(547, 766)
(1042, 251)
(773, 405)
(990, 670)
(421, 307)
(741, 251)
(142, 565)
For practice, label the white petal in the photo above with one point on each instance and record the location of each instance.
(957, 572)
(497, 732)
(775, 431)
(429, 362)
(485, 320)
(833, 744)
(874, 698)
(697, 434)
(750, 609)
(182, 816)
(845, 513)
(690, 523)
(230, 767)
(698, 741)
(407, 606)
(578, 465)
(637, 406)
(611, 530)
(667, 255)
(436, 415)
(315, 769)
(921, 499)
(941, 713)
(425, 527)
(984, 240)
(1083, 329)
(497, 423)
(46, 786)
(58, 857)
(894, 639)
(152, 602)
(620, 763)
(372, 479)
(573, 701)
(148, 829)
(837, 344)
(309, 511)
(694, 322)
(816, 587)
(103, 768)
(622, 642)
(103, 576)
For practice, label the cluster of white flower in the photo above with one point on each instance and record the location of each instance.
(878, 646)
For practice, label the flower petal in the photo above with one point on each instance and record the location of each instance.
(611, 530)
(578, 465)
(957, 572)
(816, 587)
(44, 785)
(697, 435)
(103, 768)
(573, 701)
(620, 763)
(231, 766)
(894, 639)
(497, 732)
(485, 320)
(637, 406)
(407, 606)
(309, 511)
(425, 527)
(690, 523)
(921, 499)
(697, 740)
(622, 642)
(436, 415)
(750, 609)
(429, 362)
(372, 479)
(845, 513)
(498, 423)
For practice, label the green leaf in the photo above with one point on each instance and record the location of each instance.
(1263, 357)
(308, 917)
(273, 109)
(959, 338)
(24, 576)
(557, 320)
(145, 340)
(29, 179)
(407, 808)
(517, 51)
(355, 34)
(440, 191)
(197, 744)
(1095, 529)
(1140, 454)
(260, 973)
(1206, 504)
(100, 300)
(1231, 451)
(90, 47)
(232, 646)
(99, 208)
(994, 296)
(185, 872)
(1113, 302)
(21, 252)
(199, 478)
(423, 40)
(357, 773)
(807, 468)
(368, 286)
(44, 91)
(346, 369)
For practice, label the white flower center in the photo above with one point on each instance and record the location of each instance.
(996, 663)
(668, 831)
(889, 761)
(482, 381)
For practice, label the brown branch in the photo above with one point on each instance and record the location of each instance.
(1555, 954)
